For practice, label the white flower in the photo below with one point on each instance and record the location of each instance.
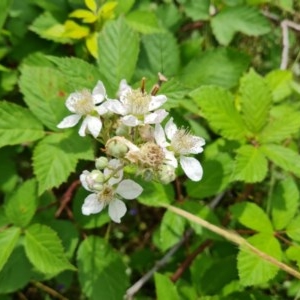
(83, 104)
(181, 143)
(137, 107)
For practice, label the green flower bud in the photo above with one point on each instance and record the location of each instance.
(166, 174)
(96, 176)
(116, 148)
(101, 162)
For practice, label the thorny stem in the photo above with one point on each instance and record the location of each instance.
(233, 237)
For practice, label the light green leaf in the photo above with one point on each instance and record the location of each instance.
(91, 4)
(171, 230)
(293, 253)
(218, 107)
(253, 270)
(45, 251)
(165, 288)
(252, 216)
(4, 9)
(283, 157)
(250, 164)
(222, 67)
(46, 99)
(197, 10)
(118, 53)
(279, 82)
(293, 229)
(285, 200)
(22, 204)
(101, 271)
(18, 125)
(143, 21)
(256, 101)
(56, 156)
(245, 19)
(8, 240)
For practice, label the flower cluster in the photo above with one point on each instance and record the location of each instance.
(130, 130)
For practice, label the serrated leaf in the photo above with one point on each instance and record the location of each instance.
(21, 205)
(222, 67)
(18, 125)
(293, 229)
(218, 107)
(256, 101)
(171, 230)
(165, 288)
(46, 99)
(285, 200)
(118, 51)
(101, 271)
(56, 156)
(45, 251)
(253, 270)
(8, 240)
(245, 19)
(283, 157)
(250, 164)
(197, 10)
(252, 216)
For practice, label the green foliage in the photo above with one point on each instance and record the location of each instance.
(164, 288)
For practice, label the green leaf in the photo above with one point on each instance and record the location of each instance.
(253, 270)
(218, 107)
(46, 99)
(171, 230)
(283, 157)
(197, 10)
(22, 204)
(256, 101)
(252, 216)
(222, 67)
(4, 10)
(285, 199)
(8, 240)
(56, 156)
(118, 53)
(293, 253)
(279, 82)
(293, 229)
(101, 271)
(18, 125)
(165, 288)
(245, 19)
(45, 251)
(250, 164)
(143, 21)
(8, 175)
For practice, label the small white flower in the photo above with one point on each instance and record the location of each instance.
(137, 107)
(84, 104)
(181, 143)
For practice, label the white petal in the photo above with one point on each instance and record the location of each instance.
(191, 167)
(198, 143)
(170, 158)
(156, 117)
(91, 205)
(116, 106)
(99, 92)
(116, 210)
(71, 101)
(170, 129)
(160, 137)
(82, 129)
(83, 180)
(129, 189)
(157, 101)
(69, 121)
(130, 121)
(102, 109)
(123, 87)
(94, 125)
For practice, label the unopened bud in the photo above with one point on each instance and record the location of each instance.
(96, 177)
(101, 162)
(166, 174)
(116, 149)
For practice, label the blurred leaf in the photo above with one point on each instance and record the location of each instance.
(285, 201)
(56, 156)
(293, 253)
(22, 204)
(252, 269)
(124, 6)
(222, 67)
(4, 10)
(8, 240)
(74, 31)
(118, 52)
(91, 43)
(218, 107)
(101, 271)
(91, 4)
(165, 288)
(197, 10)
(245, 19)
(251, 164)
(18, 125)
(8, 175)
(86, 15)
(252, 216)
(256, 101)
(45, 251)
(293, 229)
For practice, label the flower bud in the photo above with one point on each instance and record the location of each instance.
(166, 174)
(116, 148)
(96, 176)
(101, 162)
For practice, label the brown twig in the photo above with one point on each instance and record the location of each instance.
(48, 290)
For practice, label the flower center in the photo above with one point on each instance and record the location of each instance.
(83, 102)
(152, 155)
(106, 195)
(183, 142)
(137, 102)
